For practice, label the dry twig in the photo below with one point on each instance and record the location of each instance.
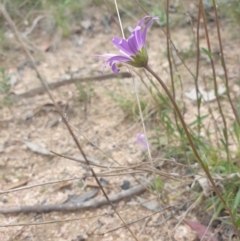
(75, 207)
(52, 86)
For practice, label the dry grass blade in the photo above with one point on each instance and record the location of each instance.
(80, 159)
(138, 220)
(39, 185)
(48, 222)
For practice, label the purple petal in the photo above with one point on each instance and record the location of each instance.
(112, 59)
(122, 44)
(142, 20)
(133, 44)
(105, 56)
(140, 139)
(138, 36)
(115, 69)
(119, 58)
(144, 34)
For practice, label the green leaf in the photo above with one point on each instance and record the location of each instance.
(157, 185)
(237, 199)
(205, 162)
(238, 222)
(236, 130)
(209, 54)
(199, 120)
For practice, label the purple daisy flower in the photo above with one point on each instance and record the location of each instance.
(132, 49)
(140, 139)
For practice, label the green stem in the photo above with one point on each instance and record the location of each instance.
(192, 144)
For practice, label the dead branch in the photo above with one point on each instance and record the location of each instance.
(51, 86)
(75, 207)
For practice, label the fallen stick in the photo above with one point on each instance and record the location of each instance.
(93, 203)
(41, 90)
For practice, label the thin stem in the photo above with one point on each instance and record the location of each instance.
(192, 145)
(112, 15)
(142, 121)
(224, 65)
(225, 131)
(140, 111)
(197, 71)
(168, 49)
(169, 54)
(216, 127)
(170, 62)
(142, 7)
(119, 18)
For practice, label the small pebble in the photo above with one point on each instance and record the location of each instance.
(125, 185)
